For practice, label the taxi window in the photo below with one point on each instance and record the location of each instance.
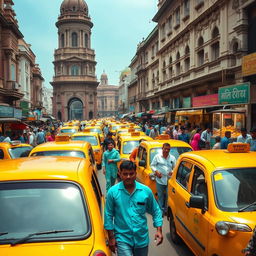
(31, 207)
(129, 146)
(235, 189)
(91, 155)
(91, 139)
(175, 151)
(199, 186)
(60, 153)
(97, 190)
(183, 174)
(98, 130)
(68, 131)
(140, 151)
(1, 154)
(19, 152)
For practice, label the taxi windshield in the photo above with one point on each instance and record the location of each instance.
(68, 131)
(91, 139)
(60, 153)
(98, 130)
(175, 151)
(129, 146)
(19, 152)
(235, 189)
(30, 207)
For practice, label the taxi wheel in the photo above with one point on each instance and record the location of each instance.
(174, 236)
(99, 166)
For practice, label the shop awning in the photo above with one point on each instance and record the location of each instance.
(139, 114)
(151, 111)
(9, 120)
(159, 116)
(44, 119)
(126, 114)
(189, 112)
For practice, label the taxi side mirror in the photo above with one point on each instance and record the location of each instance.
(197, 202)
(142, 163)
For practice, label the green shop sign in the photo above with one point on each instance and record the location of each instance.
(235, 94)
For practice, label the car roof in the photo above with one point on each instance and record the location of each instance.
(43, 168)
(222, 159)
(63, 145)
(159, 143)
(9, 145)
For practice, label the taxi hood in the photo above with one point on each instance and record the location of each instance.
(248, 218)
(42, 249)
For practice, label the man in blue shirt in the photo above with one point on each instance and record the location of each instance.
(225, 140)
(252, 140)
(183, 136)
(125, 214)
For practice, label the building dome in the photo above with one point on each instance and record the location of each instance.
(125, 73)
(104, 79)
(74, 7)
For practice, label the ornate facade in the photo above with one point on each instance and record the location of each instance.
(74, 83)
(107, 97)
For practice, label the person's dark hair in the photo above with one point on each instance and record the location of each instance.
(243, 129)
(110, 142)
(217, 138)
(141, 140)
(182, 128)
(198, 130)
(110, 134)
(227, 132)
(166, 145)
(253, 129)
(196, 126)
(176, 126)
(128, 165)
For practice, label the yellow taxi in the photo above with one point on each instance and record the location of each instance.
(211, 200)
(94, 139)
(95, 128)
(69, 129)
(146, 153)
(127, 144)
(14, 149)
(51, 206)
(63, 146)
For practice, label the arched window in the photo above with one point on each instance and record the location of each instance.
(75, 70)
(170, 60)
(62, 40)
(74, 39)
(215, 47)
(178, 56)
(187, 51)
(215, 33)
(86, 45)
(200, 41)
(75, 109)
(164, 71)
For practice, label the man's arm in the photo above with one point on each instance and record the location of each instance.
(117, 157)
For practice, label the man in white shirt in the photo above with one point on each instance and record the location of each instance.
(162, 166)
(206, 137)
(244, 136)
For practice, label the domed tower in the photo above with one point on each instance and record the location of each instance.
(104, 79)
(74, 82)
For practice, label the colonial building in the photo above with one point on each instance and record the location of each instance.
(74, 83)
(194, 53)
(10, 92)
(107, 97)
(47, 100)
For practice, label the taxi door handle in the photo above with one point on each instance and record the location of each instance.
(173, 190)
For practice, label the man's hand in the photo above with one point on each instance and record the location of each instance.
(112, 244)
(158, 174)
(110, 161)
(159, 236)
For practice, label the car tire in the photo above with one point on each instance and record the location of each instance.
(173, 234)
(99, 166)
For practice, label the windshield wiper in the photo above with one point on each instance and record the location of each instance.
(247, 206)
(3, 233)
(24, 239)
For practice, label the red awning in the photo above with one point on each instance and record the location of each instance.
(151, 111)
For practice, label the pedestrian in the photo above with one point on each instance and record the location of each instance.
(205, 138)
(154, 133)
(125, 214)
(196, 138)
(7, 138)
(252, 140)
(193, 132)
(109, 164)
(105, 130)
(183, 136)
(225, 140)
(250, 250)
(175, 132)
(162, 166)
(1, 137)
(217, 143)
(107, 140)
(134, 153)
(51, 137)
(244, 136)
(40, 137)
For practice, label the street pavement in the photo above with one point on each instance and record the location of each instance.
(167, 248)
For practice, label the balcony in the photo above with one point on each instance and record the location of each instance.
(67, 78)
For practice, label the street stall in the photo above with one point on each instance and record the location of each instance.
(228, 120)
(194, 116)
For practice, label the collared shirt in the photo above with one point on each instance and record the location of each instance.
(184, 137)
(242, 139)
(224, 142)
(206, 136)
(125, 214)
(252, 143)
(164, 166)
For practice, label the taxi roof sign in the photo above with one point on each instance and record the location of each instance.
(238, 147)
(86, 130)
(135, 134)
(131, 130)
(60, 138)
(163, 137)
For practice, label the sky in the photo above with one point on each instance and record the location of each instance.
(119, 26)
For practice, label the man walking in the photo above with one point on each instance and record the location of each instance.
(107, 140)
(162, 166)
(225, 140)
(125, 214)
(109, 165)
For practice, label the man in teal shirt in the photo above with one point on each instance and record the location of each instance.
(125, 214)
(109, 165)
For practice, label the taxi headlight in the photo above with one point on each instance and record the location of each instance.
(152, 176)
(223, 227)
